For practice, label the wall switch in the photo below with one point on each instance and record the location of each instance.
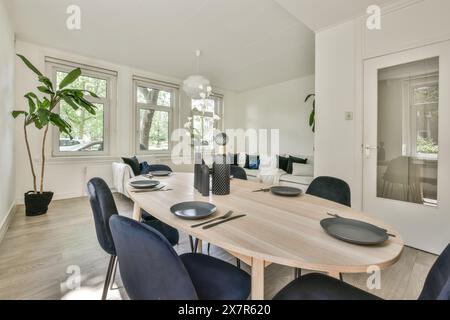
(349, 116)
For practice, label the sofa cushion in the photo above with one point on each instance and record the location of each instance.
(300, 169)
(303, 180)
(294, 160)
(134, 164)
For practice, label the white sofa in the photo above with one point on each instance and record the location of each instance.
(280, 177)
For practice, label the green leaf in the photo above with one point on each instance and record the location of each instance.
(31, 105)
(70, 102)
(63, 126)
(29, 65)
(43, 115)
(44, 89)
(15, 114)
(312, 119)
(71, 77)
(47, 82)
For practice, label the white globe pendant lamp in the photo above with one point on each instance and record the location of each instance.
(197, 86)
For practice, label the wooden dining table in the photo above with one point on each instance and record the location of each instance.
(279, 230)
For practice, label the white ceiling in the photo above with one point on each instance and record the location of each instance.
(320, 14)
(246, 43)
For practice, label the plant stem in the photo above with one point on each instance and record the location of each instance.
(30, 158)
(43, 158)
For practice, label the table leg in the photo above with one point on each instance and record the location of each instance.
(257, 279)
(137, 214)
(334, 274)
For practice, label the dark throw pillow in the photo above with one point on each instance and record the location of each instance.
(294, 160)
(283, 163)
(252, 162)
(145, 168)
(134, 164)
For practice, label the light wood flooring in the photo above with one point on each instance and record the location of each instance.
(38, 255)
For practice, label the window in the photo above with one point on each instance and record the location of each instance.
(154, 105)
(90, 132)
(206, 117)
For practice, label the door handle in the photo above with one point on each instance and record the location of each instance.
(368, 148)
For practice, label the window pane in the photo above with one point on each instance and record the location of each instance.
(87, 129)
(154, 96)
(205, 135)
(98, 86)
(199, 104)
(408, 105)
(154, 130)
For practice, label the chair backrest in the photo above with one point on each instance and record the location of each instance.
(103, 207)
(149, 267)
(238, 173)
(332, 189)
(437, 284)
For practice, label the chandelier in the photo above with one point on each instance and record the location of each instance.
(197, 86)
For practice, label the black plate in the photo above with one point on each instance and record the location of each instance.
(354, 231)
(193, 210)
(144, 184)
(286, 191)
(160, 173)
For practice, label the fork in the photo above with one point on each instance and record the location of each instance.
(225, 216)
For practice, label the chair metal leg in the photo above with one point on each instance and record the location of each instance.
(238, 263)
(111, 266)
(209, 248)
(114, 271)
(341, 277)
(191, 242)
(196, 245)
(297, 273)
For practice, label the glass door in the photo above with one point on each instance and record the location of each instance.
(406, 153)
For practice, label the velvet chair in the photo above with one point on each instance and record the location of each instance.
(321, 287)
(152, 270)
(103, 208)
(238, 173)
(332, 189)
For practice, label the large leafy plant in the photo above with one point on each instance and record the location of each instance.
(41, 110)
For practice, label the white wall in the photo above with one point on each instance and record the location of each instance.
(7, 179)
(279, 106)
(340, 54)
(67, 177)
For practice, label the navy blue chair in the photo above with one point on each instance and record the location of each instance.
(332, 189)
(103, 208)
(238, 173)
(321, 287)
(152, 270)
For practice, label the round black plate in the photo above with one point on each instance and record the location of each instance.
(354, 231)
(144, 184)
(160, 173)
(193, 210)
(286, 191)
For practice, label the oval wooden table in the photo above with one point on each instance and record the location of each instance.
(276, 229)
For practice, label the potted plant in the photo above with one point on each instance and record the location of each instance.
(312, 116)
(41, 113)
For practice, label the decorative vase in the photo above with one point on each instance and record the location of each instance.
(197, 170)
(204, 189)
(36, 204)
(221, 176)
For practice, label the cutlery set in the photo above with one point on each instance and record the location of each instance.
(263, 190)
(218, 221)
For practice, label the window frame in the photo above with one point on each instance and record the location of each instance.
(409, 107)
(149, 106)
(218, 106)
(107, 102)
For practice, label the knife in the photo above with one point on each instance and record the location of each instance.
(217, 223)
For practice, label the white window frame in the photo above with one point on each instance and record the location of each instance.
(107, 102)
(409, 126)
(138, 82)
(218, 106)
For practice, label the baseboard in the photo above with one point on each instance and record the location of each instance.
(7, 221)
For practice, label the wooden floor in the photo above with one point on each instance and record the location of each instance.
(38, 255)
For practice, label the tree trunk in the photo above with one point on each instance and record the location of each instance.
(148, 120)
(30, 158)
(43, 158)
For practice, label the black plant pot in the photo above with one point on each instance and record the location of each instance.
(36, 204)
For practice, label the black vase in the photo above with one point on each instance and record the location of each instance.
(204, 189)
(221, 177)
(36, 204)
(197, 170)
